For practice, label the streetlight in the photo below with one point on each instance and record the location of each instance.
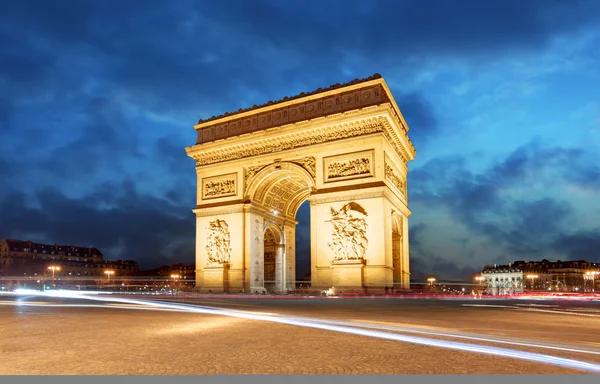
(54, 268)
(431, 280)
(108, 274)
(532, 277)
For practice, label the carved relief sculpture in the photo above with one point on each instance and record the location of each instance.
(395, 179)
(349, 232)
(349, 168)
(217, 242)
(307, 163)
(249, 174)
(218, 188)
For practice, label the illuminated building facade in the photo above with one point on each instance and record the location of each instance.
(554, 276)
(18, 258)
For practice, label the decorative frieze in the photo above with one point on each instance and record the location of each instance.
(290, 141)
(394, 177)
(348, 166)
(349, 239)
(327, 105)
(219, 186)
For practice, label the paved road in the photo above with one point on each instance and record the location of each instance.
(40, 335)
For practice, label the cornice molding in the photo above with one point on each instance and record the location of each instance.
(324, 134)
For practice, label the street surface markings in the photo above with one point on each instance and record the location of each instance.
(537, 305)
(557, 312)
(490, 306)
(407, 325)
(355, 330)
(225, 303)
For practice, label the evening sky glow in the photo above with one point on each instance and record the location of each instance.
(98, 100)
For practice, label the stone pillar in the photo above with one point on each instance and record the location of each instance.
(397, 259)
(280, 275)
(289, 256)
(255, 243)
(404, 255)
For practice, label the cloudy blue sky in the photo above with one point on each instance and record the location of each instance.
(98, 100)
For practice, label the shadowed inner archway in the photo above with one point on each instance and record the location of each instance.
(282, 192)
(279, 189)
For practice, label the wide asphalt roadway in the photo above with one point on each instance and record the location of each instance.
(42, 335)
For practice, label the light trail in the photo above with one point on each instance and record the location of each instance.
(322, 324)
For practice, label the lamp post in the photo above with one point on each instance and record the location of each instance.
(54, 268)
(108, 274)
(431, 280)
(532, 277)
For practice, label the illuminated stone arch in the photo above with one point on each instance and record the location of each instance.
(281, 188)
(345, 149)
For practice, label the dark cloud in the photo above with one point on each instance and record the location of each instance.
(580, 245)
(76, 79)
(418, 113)
(405, 26)
(424, 263)
(150, 230)
(521, 228)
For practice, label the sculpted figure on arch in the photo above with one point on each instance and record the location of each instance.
(349, 232)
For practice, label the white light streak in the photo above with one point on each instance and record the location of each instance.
(327, 325)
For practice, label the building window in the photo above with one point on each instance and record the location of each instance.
(25, 249)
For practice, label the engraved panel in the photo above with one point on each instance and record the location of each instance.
(350, 100)
(332, 105)
(219, 186)
(314, 109)
(221, 131)
(349, 239)
(264, 120)
(280, 117)
(348, 166)
(235, 128)
(217, 242)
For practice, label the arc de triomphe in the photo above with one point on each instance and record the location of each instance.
(345, 149)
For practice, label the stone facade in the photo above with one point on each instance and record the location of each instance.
(544, 275)
(20, 257)
(345, 150)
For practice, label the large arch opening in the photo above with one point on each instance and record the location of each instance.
(279, 191)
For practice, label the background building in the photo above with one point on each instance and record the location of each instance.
(557, 276)
(18, 258)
